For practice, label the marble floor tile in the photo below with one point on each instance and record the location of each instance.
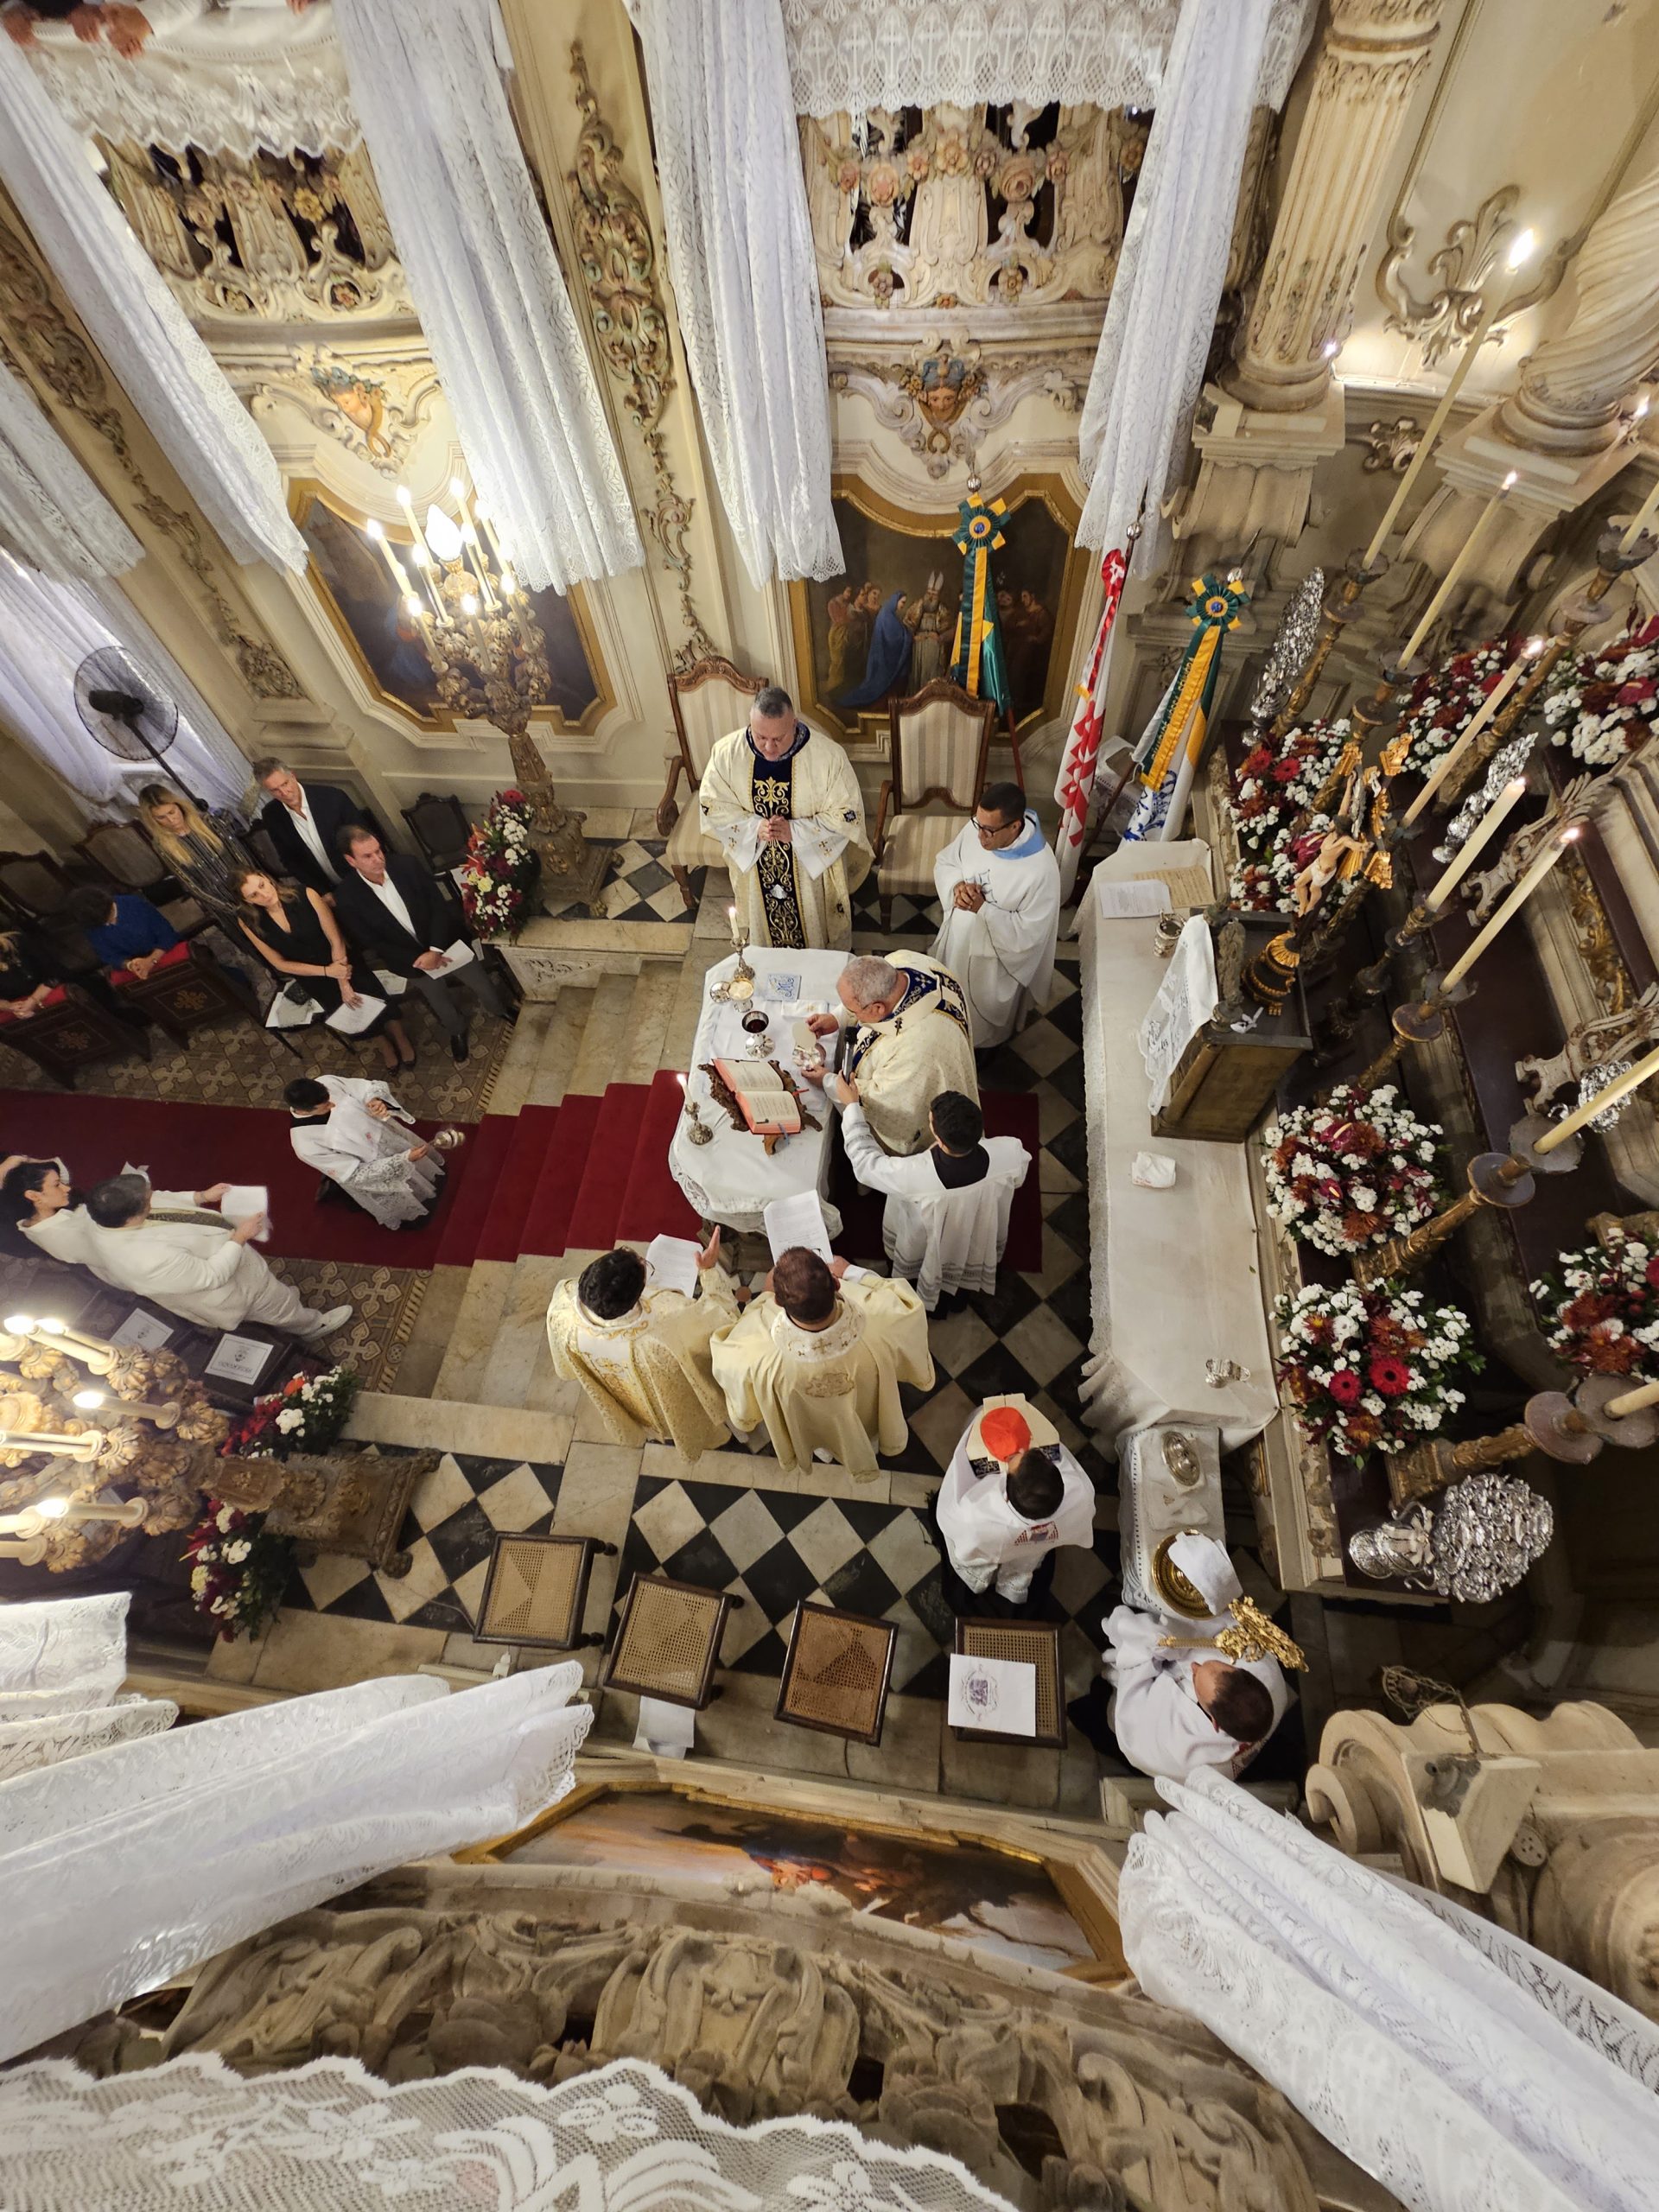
(825, 1541)
(406, 1593)
(321, 1651)
(516, 1501)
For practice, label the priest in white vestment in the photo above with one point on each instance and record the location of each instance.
(998, 887)
(1012, 1494)
(1182, 1705)
(946, 1219)
(910, 1039)
(783, 803)
(641, 1351)
(163, 1245)
(355, 1131)
(818, 1358)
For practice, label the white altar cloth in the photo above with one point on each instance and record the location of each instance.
(731, 1180)
(1174, 1274)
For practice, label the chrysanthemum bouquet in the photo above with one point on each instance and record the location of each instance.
(1366, 1369)
(1350, 1174)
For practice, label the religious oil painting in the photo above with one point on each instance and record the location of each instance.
(1001, 1902)
(887, 626)
(358, 588)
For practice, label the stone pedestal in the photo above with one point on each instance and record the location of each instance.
(1256, 475)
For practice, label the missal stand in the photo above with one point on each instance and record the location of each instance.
(1230, 1069)
(837, 1673)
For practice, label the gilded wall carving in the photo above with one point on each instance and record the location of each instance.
(942, 402)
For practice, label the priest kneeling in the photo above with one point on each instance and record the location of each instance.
(1012, 1495)
(819, 1356)
(640, 1351)
(998, 887)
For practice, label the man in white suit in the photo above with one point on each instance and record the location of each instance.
(194, 1263)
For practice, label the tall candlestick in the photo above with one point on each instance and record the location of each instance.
(1633, 1401)
(64, 1447)
(1641, 521)
(1517, 898)
(377, 532)
(1489, 706)
(406, 501)
(1465, 554)
(1609, 1095)
(1480, 836)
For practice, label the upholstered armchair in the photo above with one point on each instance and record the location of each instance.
(710, 700)
(940, 739)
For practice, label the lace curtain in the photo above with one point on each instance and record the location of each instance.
(53, 516)
(195, 2137)
(746, 279)
(121, 1871)
(486, 285)
(1457, 2070)
(61, 1663)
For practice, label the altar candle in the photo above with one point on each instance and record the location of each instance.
(67, 1447)
(377, 532)
(1609, 1095)
(1479, 836)
(1641, 521)
(406, 501)
(1633, 1401)
(731, 917)
(1517, 899)
(1466, 553)
(1489, 706)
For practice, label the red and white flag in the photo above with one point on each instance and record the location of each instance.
(1077, 779)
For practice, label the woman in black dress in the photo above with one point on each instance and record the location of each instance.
(294, 931)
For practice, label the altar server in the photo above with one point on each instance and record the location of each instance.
(1012, 1494)
(819, 1356)
(1183, 1703)
(946, 1219)
(999, 888)
(192, 1262)
(640, 1352)
(784, 805)
(910, 1040)
(354, 1132)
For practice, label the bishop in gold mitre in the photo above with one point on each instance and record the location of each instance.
(640, 1352)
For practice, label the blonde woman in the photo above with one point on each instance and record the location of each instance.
(294, 931)
(203, 852)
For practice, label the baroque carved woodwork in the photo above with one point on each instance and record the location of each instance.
(942, 401)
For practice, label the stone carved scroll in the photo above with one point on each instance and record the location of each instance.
(1624, 1035)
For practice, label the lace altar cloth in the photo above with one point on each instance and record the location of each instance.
(194, 2137)
(122, 1869)
(1458, 2066)
(61, 1654)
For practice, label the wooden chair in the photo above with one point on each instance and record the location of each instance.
(535, 1591)
(837, 1673)
(440, 826)
(120, 853)
(70, 1032)
(188, 990)
(711, 699)
(668, 1642)
(1038, 1644)
(940, 739)
(38, 883)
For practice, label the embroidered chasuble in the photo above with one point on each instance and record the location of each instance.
(925, 1045)
(647, 1373)
(833, 1389)
(800, 894)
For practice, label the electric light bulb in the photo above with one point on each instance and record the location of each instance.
(405, 497)
(457, 489)
(19, 1325)
(441, 535)
(411, 605)
(51, 1328)
(86, 1400)
(374, 529)
(50, 1508)
(469, 604)
(1521, 248)
(509, 583)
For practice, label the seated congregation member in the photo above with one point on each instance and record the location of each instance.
(818, 1357)
(641, 1352)
(127, 934)
(304, 822)
(354, 1132)
(294, 931)
(393, 907)
(946, 1219)
(194, 1263)
(30, 970)
(911, 1040)
(1012, 1495)
(998, 887)
(201, 852)
(37, 1198)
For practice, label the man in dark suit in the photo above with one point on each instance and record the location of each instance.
(391, 907)
(303, 821)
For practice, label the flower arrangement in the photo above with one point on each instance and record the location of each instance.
(1275, 783)
(499, 871)
(306, 1414)
(1347, 1175)
(1444, 700)
(1603, 705)
(1601, 1308)
(239, 1569)
(1365, 1370)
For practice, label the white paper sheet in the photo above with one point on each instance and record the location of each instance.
(997, 1695)
(238, 1359)
(797, 1219)
(349, 1020)
(671, 1264)
(670, 1731)
(143, 1330)
(454, 956)
(244, 1199)
(1139, 897)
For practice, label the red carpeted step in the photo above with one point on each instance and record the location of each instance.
(605, 1174)
(653, 1203)
(547, 1217)
(492, 1230)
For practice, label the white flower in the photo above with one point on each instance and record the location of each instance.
(237, 1551)
(290, 1420)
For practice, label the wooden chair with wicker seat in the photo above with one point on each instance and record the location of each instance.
(837, 1672)
(940, 740)
(708, 701)
(667, 1642)
(1032, 1643)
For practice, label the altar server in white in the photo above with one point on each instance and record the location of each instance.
(1012, 1494)
(1184, 1704)
(354, 1132)
(783, 803)
(194, 1261)
(946, 1219)
(998, 887)
(910, 1040)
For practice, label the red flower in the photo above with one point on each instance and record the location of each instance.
(1391, 1378)
(1651, 1273)
(1344, 1386)
(1283, 772)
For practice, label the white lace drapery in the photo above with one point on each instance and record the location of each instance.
(60, 1653)
(121, 1871)
(139, 326)
(193, 2136)
(745, 276)
(486, 285)
(1149, 367)
(26, 1745)
(53, 516)
(1453, 2079)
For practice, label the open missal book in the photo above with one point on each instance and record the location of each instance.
(767, 1102)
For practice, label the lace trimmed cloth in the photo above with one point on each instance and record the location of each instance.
(1456, 2064)
(53, 516)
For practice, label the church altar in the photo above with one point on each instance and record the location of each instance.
(731, 1179)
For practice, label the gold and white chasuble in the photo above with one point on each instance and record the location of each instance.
(647, 1373)
(923, 1047)
(799, 893)
(836, 1389)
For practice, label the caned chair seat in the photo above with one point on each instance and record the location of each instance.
(536, 1591)
(837, 1672)
(1037, 1643)
(668, 1643)
(914, 842)
(687, 846)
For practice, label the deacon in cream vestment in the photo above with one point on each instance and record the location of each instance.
(798, 892)
(647, 1372)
